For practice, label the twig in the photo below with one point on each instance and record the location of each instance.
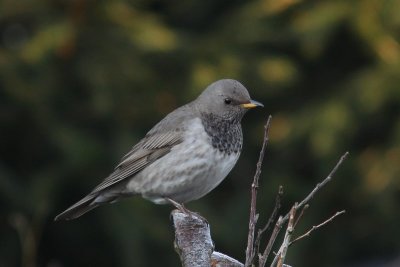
(304, 204)
(315, 227)
(319, 185)
(262, 259)
(271, 219)
(254, 187)
(301, 214)
(287, 238)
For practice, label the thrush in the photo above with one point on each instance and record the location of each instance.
(183, 157)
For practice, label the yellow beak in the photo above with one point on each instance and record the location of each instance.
(252, 104)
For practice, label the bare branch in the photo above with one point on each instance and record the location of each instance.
(315, 227)
(288, 235)
(282, 250)
(271, 219)
(301, 214)
(319, 185)
(254, 187)
(262, 259)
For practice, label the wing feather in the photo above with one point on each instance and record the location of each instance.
(151, 148)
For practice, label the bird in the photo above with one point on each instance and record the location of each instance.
(183, 157)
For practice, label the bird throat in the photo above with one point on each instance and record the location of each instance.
(226, 134)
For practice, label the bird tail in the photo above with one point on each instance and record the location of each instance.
(78, 209)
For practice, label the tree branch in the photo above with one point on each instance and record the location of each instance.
(315, 227)
(319, 185)
(271, 219)
(192, 239)
(263, 258)
(194, 245)
(279, 257)
(301, 214)
(287, 238)
(221, 260)
(254, 187)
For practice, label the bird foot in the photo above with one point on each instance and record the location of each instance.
(184, 210)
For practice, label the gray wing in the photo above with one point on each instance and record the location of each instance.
(157, 143)
(151, 148)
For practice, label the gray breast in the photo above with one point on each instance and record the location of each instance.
(226, 134)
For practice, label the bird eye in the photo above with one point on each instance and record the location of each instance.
(227, 101)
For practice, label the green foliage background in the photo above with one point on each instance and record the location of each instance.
(82, 81)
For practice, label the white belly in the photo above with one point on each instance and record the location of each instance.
(191, 169)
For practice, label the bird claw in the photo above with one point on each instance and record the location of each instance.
(184, 210)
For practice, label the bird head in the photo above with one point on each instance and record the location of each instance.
(226, 98)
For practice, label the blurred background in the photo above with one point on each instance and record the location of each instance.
(83, 81)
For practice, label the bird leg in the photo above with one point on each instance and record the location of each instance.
(178, 205)
(184, 210)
